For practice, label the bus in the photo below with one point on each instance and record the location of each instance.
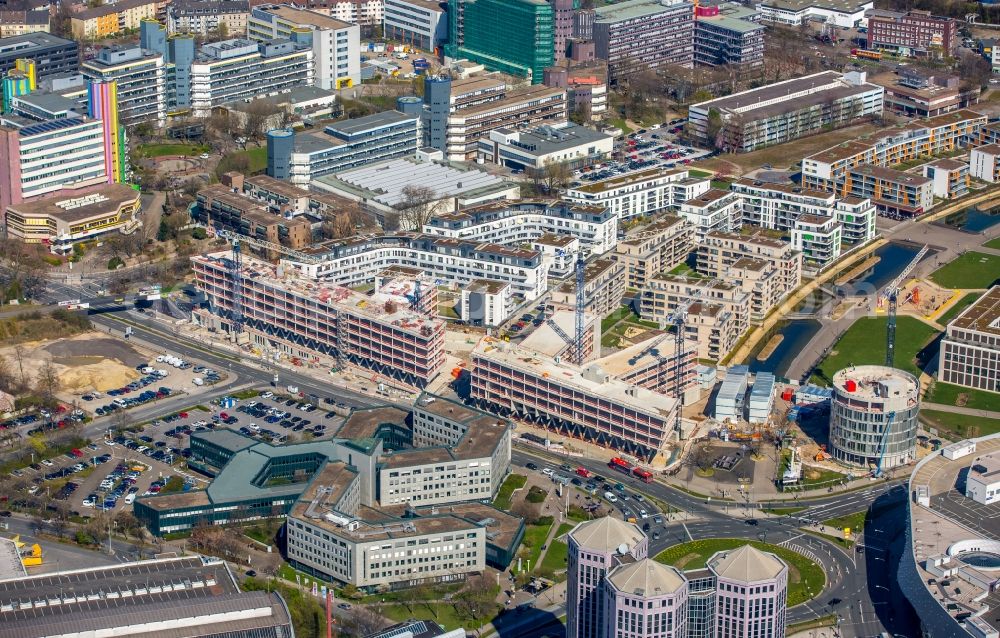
(866, 54)
(621, 465)
(643, 475)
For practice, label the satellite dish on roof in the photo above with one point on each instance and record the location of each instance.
(623, 549)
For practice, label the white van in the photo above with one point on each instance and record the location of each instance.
(611, 498)
(198, 381)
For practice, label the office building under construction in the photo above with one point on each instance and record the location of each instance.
(284, 311)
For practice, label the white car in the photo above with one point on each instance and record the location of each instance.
(203, 156)
(110, 443)
(88, 502)
(33, 490)
(611, 498)
(47, 463)
(643, 514)
(548, 471)
(267, 395)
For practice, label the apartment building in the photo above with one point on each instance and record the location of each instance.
(893, 192)
(785, 111)
(419, 23)
(970, 350)
(15, 22)
(641, 193)
(486, 303)
(533, 150)
(202, 17)
(728, 34)
(841, 13)
(302, 157)
(912, 33)
(52, 55)
(218, 207)
(241, 69)
(58, 157)
(984, 162)
(715, 210)
(511, 36)
(336, 49)
(950, 178)
(455, 261)
(97, 23)
(714, 322)
(828, 170)
(287, 201)
(585, 402)
(140, 76)
(818, 238)
(768, 269)
(364, 13)
(60, 221)
(638, 35)
(309, 319)
(604, 288)
(654, 248)
(516, 222)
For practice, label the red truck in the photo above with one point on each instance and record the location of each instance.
(584, 472)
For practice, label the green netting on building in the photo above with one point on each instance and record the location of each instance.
(511, 36)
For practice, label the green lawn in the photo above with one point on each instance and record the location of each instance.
(531, 546)
(160, 150)
(506, 491)
(993, 243)
(445, 614)
(555, 556)
(971, 270)
(958, 424)
(694, 172)
(864, 343)
(948, 394)
(608, 322)
(252, 160)
(620, 124)
(959, 306)
(855, 521)
(613, 326)
(805, 578)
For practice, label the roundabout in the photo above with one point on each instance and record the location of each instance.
(806, 578)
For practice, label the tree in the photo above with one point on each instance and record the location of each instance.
(363, 620)
(47, 384)
(256, 118)
(416, 207)
(555, 176)
(530, 512)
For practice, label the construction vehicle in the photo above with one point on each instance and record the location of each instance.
(31, 556)
(822, 455)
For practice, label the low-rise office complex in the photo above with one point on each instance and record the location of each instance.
(912, 33)
(970, 350)
(641, 193)
(288, 312)
(916, 93)
(785, 111)
(842, 13)
(52, 55)
(564, 143)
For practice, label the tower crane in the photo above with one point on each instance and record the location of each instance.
(576, 348)
(889, 295)
(677, 319)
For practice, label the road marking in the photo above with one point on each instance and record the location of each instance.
(687, 531)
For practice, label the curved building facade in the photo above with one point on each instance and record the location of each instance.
(868, 400)
(645, 599)
(751, 593)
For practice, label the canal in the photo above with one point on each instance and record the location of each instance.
(974, 219)
(892, 259)
(795, 335)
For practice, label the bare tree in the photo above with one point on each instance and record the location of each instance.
(363, 620)
(416, 206)
(256, 118)
(555, 176)
(47, 383)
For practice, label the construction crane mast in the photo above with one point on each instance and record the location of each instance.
(581, 269)
(890, 296)
(236, 278)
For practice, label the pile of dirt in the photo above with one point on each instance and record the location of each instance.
(103, 376)
(82, 363)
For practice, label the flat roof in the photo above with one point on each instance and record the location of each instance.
(842, 6)
(107, 199)
(535, 92)
(546, 341)
(303, 16)
(662, 223)
(788, 189)
(375, 120)
(766, 94)
(991, 149)
(490, 286)
(708, 198)
(551, 138)
(10, 560)
(628, 179)
(732, 23)
(890, 174)
(632, 9)
(872, 381)
(983, 315)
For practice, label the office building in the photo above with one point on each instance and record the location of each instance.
(52, 55)
(654, 248)
(519, 222)
(208, 17)
(102, 104)
(983, 162)
(511, 36)
(949, 178)
(303, 157)
(49, 158)
(912, 33)
(603, 286)
(768, 269)
(640, 35)
(177, 52)
(595, 548)
(60, 221)
(455, 262)
(15, 22)
(841, 13)
(913, 92)
(713, 325)
(615, 591)
(728, 34)
(586, 87)
(970, 350)
(196, 596)
(714, 210)
(385, 188)
(828, 170)
(105, 21)
(873, 417)
(784, 111)
(141, 80)
(379, 333)
(240, 69)
(552, 392)
(640, 193)
(533, 150)
(336, 49)
(419, 23)
(983, 481)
